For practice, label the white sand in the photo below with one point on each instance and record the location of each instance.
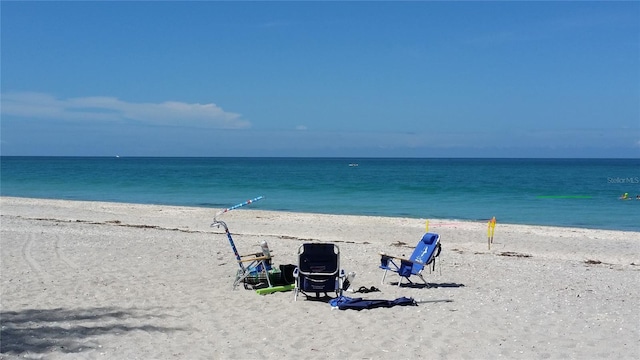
(121, 281)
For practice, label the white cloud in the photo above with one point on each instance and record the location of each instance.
(301, 127)
(102, 108)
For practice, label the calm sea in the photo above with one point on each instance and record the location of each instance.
(561, 192)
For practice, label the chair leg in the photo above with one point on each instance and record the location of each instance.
(266, 272)
(383, 276)
(403, 277)
(240, 275)
(296, 278)
(423, 280)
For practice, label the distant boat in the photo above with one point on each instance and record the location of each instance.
(353, 164)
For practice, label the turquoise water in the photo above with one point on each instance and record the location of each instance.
(559, 192)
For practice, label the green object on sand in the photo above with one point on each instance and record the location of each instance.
(271, 290)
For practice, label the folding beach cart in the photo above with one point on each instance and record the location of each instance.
(255, 270)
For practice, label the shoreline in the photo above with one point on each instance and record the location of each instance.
(118, 280)
(354, 228)
(436, 221)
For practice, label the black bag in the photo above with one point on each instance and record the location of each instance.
(287, 274)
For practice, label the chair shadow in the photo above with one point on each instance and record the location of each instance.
(429, 285)
(39, 331)
(312, 297)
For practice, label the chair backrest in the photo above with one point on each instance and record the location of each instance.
(422, 255)
(318, 259)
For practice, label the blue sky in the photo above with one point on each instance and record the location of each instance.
(348, 79)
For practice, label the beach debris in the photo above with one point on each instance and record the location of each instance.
(514, 254)
(597, 262)
(399, 243)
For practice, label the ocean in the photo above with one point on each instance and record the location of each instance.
(580, 193)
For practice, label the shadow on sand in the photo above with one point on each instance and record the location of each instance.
(37, 331)
(429, 286)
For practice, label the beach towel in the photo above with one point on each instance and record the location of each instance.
(344, 303)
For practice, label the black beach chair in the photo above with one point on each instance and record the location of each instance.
(318, 270)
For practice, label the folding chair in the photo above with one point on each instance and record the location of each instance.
(318, 270)
(425, 253)
(253, 268)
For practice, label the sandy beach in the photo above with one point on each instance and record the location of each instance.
(93, 280)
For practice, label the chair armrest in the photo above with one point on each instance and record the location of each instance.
(401, 258)
(259, 258)
(258, 254)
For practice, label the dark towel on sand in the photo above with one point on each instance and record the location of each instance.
(344, 303)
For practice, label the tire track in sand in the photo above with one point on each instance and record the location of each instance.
(27, 250)
(26, 255)
(60, 254)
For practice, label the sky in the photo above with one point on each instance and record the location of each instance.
(320, 79)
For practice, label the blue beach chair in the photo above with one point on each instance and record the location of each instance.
(425, 254)
(318, 270)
